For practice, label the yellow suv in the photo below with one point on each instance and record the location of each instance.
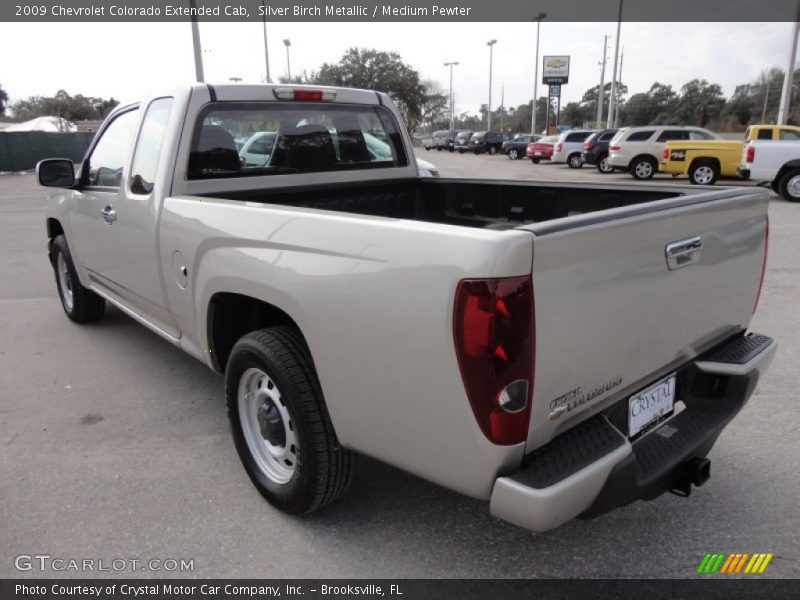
(705, 161)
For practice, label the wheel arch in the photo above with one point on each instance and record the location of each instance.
(231, 315)
(792, 164)
(705, 159)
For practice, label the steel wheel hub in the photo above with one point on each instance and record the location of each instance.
(793, 187)
(267, 426)
(703, 175)
(64, 281)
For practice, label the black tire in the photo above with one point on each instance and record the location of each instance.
(461, 151)
(574, 161)
(535, 161)
(602, 164)
(85, 305)
(492, 150)
(513, 154)
(704, 172)
(643, 167)
(789, 190)
(323, 469)
(438, 148)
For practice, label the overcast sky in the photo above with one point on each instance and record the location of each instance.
(125, 60)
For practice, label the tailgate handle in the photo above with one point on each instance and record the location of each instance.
(683, 252)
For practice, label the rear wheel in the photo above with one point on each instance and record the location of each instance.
(643, 167)
(81, 305)
(789, 186)
(603, 166)
(535, 161)
(703, 172)
(280, 423)
(574, 161)
(492, 150)
(513, 154)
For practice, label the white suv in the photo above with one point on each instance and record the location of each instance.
(638, 149)
(569, 147)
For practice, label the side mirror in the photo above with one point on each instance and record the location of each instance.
(56, 172)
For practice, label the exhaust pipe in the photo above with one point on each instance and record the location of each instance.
(695, 471)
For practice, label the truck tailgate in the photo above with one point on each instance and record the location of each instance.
(611, 317)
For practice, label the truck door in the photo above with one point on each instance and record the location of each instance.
(117, 214)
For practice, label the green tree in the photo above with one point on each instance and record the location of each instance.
(700, 102)
(434, 107)
(653, 107)
(64, 107)
(3, 101)
(383, 71)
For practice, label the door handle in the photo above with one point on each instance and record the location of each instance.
(109, 214)
(683, 252)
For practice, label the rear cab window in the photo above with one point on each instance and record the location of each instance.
(764, 134)
(296, 137)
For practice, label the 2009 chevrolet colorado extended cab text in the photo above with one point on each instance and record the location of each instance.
(558, 349)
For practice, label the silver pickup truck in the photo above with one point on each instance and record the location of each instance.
(557, 349)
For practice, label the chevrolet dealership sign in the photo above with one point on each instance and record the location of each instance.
(556, 69)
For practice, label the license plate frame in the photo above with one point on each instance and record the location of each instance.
(652, 405)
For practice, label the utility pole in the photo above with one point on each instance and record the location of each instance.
(198, 57)
(619, 83)
(788, 77)
(491, 44)
(288, 43)
(602, 84)
(266, 46)
(611, 98)
(452, 111)
(502, 104)
(766, 98)
(538, 18)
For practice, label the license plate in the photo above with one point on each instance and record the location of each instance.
(651, 406)
(537, 153)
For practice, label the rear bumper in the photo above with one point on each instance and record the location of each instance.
(593, 468)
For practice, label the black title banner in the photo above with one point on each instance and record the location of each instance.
(444, 11)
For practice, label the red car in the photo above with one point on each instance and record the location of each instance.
(541, 149)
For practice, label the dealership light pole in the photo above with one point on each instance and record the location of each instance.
(266, 47)
(602, 83)
(452, 112)
(619, 88)
(491, 44)
(788, 77)
(612, 95)
(538, 18)
(198, 57)
(288, 43)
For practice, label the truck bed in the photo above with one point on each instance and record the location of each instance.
(469, 203)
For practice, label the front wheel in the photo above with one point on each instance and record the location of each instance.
(789, 186)
(575, 161)
(280, 423)
(81, 304)
(513, 154)
(535, 161)
(492, 150)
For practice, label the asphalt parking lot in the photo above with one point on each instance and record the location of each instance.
(116, 444)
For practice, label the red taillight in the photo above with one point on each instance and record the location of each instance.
(494, 336)
(763, 264)
(588, 145)
(304, 95)
(666, 153)
(751, 154)
(614, 148)
(558, 147)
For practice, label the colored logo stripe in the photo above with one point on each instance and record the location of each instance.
(722, 562)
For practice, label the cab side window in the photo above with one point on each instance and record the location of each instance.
(108, 156)
(787, 134)
(148, 148)
(764, 134)
(673, 134)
